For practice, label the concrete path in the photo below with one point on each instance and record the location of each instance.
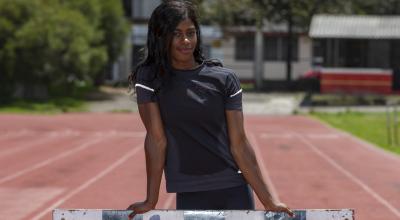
(118, 100)
(253, 103)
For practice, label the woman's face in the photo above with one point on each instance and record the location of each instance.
(183, 43)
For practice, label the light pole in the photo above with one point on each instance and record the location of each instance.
(258, 63)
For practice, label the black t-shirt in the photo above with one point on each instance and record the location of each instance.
(192, 106)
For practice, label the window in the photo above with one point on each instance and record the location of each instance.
(395, 54)
(271, 49)
(274, 48)
(142, 9)
(127, 5)
(244, 47)
(294, 51)
(378, 53)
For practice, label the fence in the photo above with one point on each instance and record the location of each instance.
(392, 123)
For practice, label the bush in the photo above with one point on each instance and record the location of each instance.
(57, 44)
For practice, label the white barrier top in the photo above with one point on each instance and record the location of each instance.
(97, 214)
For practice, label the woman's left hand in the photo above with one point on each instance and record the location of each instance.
(139, 208)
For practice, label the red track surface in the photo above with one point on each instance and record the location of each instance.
(97, 161)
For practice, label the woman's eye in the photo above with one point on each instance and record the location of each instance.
(177, 34)
(180, 35)
(191, 34)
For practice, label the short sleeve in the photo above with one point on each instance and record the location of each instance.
(144, 86)
(233, 96)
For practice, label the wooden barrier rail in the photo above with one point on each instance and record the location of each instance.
(98, 214)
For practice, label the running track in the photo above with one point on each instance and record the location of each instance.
(97, 161)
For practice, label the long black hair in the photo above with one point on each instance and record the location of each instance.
(163, 21)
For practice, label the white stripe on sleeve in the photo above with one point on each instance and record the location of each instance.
(236, 93)
(144, 87)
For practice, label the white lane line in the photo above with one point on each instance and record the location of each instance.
(356, 139)
(122, 133)
(14, 134)
(274, 135)
(64, 133)
(30, 198)
(88, 183)
(364, 186)
(262, 164)
(168, 202)
(83, 146)
(371, 147)
(309, 135)
(15, 149)
(70, 132)
(323, 135)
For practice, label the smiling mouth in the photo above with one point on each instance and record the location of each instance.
(185, 50)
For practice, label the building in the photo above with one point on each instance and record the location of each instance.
(236, 49)
(239, 52)
(211, 38)
(138, 12)
(359, 46)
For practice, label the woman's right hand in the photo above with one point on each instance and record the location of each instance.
(139, 208)
(280, 207)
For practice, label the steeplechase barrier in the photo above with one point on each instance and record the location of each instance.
(308, 214)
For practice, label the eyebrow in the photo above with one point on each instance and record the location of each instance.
(189, 29)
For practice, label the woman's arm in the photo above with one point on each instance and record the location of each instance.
(155, 145)
(246, 160)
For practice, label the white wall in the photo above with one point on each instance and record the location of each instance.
(272, 70)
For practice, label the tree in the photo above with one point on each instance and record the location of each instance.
(14, 15)
(373, 7)
(108, 18)
(115, 28)
(226, 13)
(56, 48)
(54, 44)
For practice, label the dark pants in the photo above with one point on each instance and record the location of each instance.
(239, 198)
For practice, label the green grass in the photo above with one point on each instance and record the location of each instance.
(52, 106)
(61, 100)
(350, 99)
(368, 126)
(122, 111)
(247, 86)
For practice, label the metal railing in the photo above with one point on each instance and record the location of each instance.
(392, 123)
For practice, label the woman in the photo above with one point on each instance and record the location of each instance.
(192, 111)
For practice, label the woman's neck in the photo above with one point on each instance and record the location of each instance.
(188, 65)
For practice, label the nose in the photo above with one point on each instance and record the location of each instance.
(186, 39)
